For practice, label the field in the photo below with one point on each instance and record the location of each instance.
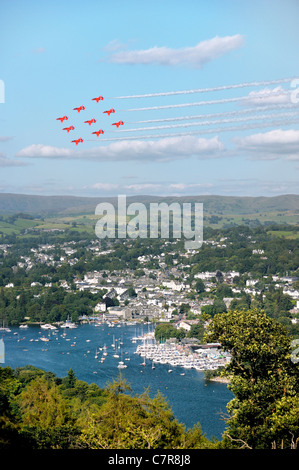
(291, 235)
(26, 225)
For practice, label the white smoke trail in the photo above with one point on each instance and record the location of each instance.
(219, 115)
(209, 123)
(206, 131)
(204, 103)
(206, 90)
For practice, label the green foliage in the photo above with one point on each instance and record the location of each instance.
(263, 379)
(197, 331)
(165, 331)
(52, 304)
(126, 422)
(199, 286)
(40, 411)
(217, 307)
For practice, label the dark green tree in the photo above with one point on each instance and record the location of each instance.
(263, 379)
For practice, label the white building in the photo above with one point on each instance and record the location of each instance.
(100, 307)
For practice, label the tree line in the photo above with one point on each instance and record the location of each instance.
(38, 410)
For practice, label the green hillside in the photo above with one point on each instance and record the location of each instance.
(20, 213)
(14, 203)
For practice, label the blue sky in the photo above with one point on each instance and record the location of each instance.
(241, 140)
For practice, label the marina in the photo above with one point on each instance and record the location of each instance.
(179, 356)
(98, 353)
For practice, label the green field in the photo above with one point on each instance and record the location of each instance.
(284, 234)
(28, 225)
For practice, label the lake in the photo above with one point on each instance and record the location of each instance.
(192, 399)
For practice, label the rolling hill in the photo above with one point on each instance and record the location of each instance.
(63, 205)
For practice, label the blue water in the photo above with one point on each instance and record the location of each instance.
(191, 398)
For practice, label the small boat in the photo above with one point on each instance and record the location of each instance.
(68, 324)
(44, 339)
(47, 326)
(8, 330)
(121, 365)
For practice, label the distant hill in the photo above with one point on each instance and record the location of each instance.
(63, 205)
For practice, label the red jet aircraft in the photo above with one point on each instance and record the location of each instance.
(109, 112)
(68, 129)
(91, 121)
(77, 141)
(117, 124)
(98, 132)
(61, 119)
(79, 109)
(98, 98)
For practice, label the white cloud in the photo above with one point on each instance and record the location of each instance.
(6, 162)
(272, 145)
(255, 187)
(39, 50)
(151, 187)
(44, 151)
(268, 96)
(188, 186)
(105, 186)
(161, 188)
(167, 149)
(114, 45)
(195, 56)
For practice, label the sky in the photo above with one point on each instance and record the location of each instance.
(208, 93)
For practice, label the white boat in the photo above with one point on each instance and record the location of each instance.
(47, 326)
(68, 324)
(23, 326)
(44, 339)
(121, 365)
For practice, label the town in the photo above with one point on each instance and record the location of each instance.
(157, 281)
